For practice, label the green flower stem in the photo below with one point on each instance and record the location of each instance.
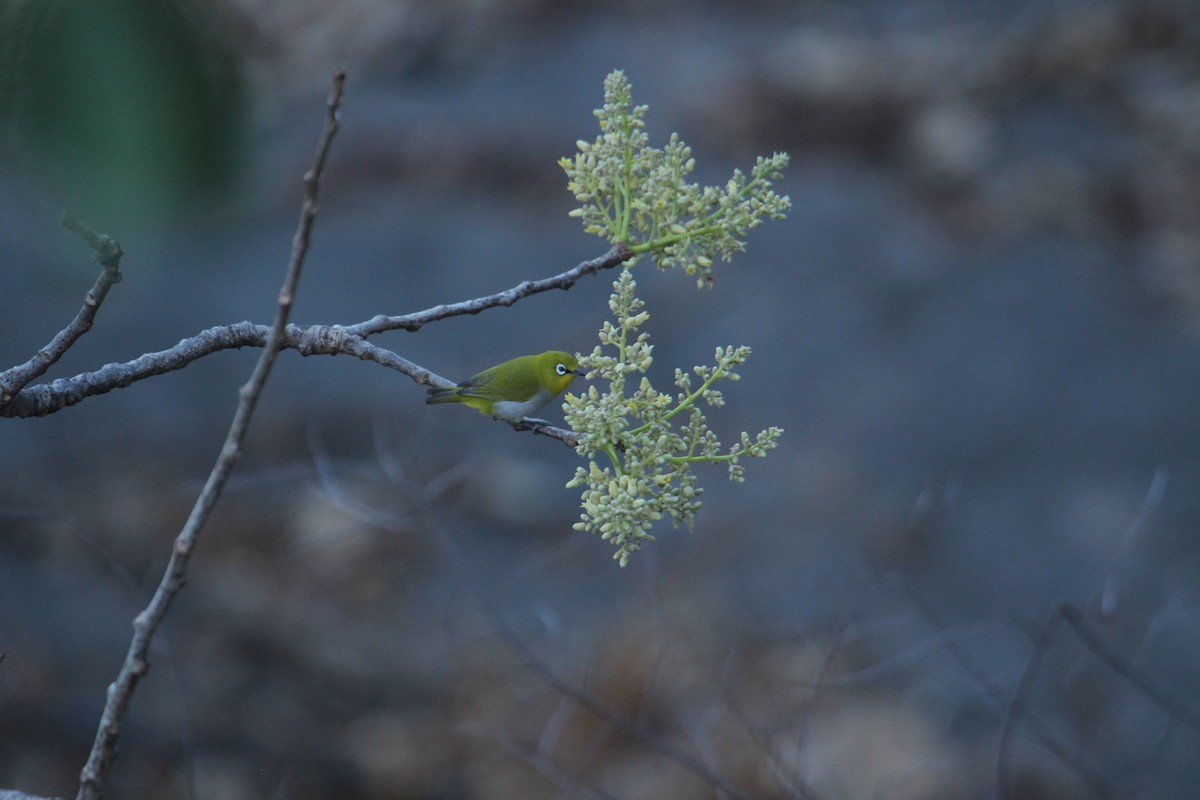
(686, 403)
(750, 185)
(702, 459)
(695, 440)
(626, 203)
(621, 348)
(610, 213)
(611, 452)
(650, 245)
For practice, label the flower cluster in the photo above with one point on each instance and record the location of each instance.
(641, 444)
(637, 194)
(649, 453)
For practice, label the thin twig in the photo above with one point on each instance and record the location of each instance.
(619, 721)
(1044, 638)
(1157, 695)
(108, 253)
(847, 632)
(545, 766)
(1108, 593)
(576, 693)
(994, 693)
(617, 254)
(95, 773)
(47, 398)
(1016, 708)
(934, 644)
(792, 784)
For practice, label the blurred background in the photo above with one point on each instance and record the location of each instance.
(978, 328)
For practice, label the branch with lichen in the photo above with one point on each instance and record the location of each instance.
(108, 253)
(647, 441)
(38, 400)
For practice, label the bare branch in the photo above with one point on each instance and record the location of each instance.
(1005, 785)
(617, 254)
(545, 767)
(95, 773)
(1044, 637)
(47, 398)
(542, 428)
(995, 693)
(108, 253)
(1110, 586)
(1158, 695)
(622, 723)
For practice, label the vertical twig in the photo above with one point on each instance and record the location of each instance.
(1108, 592)
(95, 773)
(1044, 638)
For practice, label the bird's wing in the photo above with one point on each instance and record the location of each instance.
(474, 382)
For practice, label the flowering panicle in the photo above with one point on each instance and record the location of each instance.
(650, 440)
(633, 193)
(649, 451)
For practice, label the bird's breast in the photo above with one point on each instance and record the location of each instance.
(512, 410)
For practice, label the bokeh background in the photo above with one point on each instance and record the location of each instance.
(978, 328)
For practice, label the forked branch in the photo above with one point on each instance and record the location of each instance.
(331, 340)
(108, 253)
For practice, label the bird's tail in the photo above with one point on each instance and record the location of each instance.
(435, 395)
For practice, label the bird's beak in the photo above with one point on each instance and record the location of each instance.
(579, 372)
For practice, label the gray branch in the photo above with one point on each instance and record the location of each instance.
(332, 340)
(95, 772)
(108, 253)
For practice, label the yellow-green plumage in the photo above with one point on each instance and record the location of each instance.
(516, 388)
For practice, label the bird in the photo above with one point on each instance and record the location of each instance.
(513, 390)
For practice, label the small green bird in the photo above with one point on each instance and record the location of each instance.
(516, 388)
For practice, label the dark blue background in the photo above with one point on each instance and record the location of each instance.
(978, 328)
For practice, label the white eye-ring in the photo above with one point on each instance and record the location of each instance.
(561, 369)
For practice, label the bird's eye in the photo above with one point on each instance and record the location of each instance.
(561, 369)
